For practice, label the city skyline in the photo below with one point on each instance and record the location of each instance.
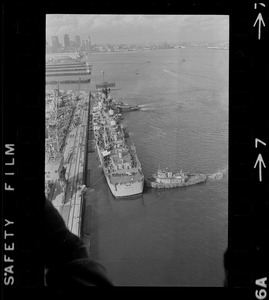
(128, 29)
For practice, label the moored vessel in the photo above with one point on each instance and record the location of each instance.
(116, 151)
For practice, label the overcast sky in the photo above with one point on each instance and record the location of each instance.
(115, 29)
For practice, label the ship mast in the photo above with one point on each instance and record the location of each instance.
(105, 86)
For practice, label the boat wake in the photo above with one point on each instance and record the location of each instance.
(171, 73)
(146, 108)
(218, 175)
(177, 74)
(144, 105)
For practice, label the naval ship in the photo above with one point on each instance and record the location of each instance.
(116, 151)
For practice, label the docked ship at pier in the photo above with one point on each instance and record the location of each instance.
(117, 153)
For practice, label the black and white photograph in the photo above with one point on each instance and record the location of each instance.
(136, 144)
(135, 149)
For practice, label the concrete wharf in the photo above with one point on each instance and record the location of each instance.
(68, 74)
(69, 200)
(65, 65)
(55, 70)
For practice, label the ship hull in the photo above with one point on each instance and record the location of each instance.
(122, 190)
(192, 180)
(125, 190)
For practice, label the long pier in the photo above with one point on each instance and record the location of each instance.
(69, 74)
(68, 70)
(66, 65)
(68, 81)
(69, 201)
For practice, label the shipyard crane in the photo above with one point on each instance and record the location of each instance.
(57, 90)
(78, 90)
(105, 86)
(79, 84)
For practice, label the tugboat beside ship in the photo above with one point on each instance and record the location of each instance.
(117, 153)
(165, 179)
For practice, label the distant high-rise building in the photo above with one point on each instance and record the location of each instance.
(77, 41)
(89, 43)
(56, 46)
(55, 42)
(85, 45)
(66, 41)
(48, 47)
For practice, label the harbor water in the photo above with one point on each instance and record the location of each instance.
(173, 237)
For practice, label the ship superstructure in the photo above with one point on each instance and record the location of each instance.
(116, 151)
(165, 176)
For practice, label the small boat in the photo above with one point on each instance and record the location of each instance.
(165, 179)
(124, 107)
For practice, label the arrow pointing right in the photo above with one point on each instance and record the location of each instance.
(260, 161)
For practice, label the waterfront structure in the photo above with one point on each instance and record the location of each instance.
(67, 67)
(66, 112)
(55, 139)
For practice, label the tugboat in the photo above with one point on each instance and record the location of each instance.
(165, 179)
(124, 107)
